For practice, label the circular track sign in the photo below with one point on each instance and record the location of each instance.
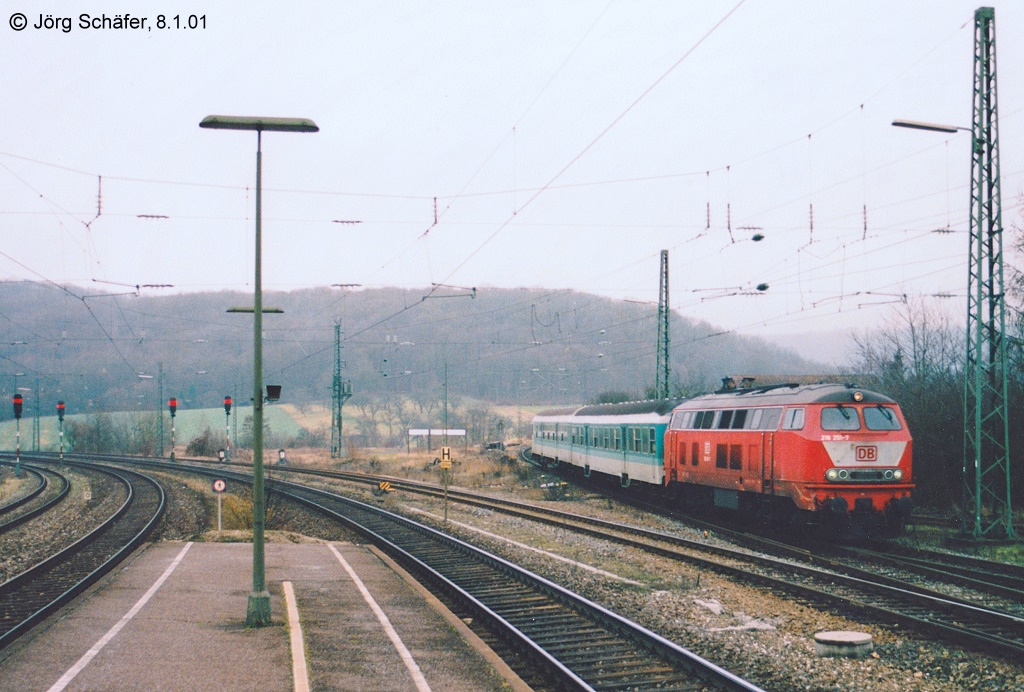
(219, 485)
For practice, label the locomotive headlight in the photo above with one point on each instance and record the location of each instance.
(832, 474)
(897, 474)
(858, 396)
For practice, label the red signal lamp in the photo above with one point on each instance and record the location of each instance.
(173, 405)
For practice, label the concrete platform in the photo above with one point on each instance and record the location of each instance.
(190, 634)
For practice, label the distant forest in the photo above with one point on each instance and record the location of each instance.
(103, 351)
(520, 347)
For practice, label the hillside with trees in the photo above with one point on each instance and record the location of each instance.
(505, 346)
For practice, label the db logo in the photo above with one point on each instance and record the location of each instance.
(867, 453)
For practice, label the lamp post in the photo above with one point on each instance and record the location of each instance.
(258, 610)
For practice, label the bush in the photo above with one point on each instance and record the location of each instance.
(206, 445)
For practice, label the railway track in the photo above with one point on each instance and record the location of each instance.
(820, 582)
(52, 487)
(803, 574)
(575, 642)
(31, 596)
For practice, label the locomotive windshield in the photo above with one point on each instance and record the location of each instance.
(880, 418)
(839, 418)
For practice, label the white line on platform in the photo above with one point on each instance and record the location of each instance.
(66, 679)
(299, 672)
(553, 556)
(407, 659)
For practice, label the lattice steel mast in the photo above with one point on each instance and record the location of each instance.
(987, 508)
(341, 391)
(661, 376)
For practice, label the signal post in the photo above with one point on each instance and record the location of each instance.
(173, 405)
(18, 403)
(227, 428)
(60, 425)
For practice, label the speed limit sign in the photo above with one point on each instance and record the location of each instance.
(219, 485)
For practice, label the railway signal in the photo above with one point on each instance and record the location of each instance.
(173, 405)
(18, 403)
(60, 423)
(227, 428)
(446, 474)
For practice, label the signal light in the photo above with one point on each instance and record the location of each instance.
(18, 401)
(60, 411)
(173, 404)
(227, 405)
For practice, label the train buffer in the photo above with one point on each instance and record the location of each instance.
(382, 489)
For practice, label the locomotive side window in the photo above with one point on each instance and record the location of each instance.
(794, 419)
(725, 422)
(739, 418)
(754, 419)
(770, 419)
(707, 421)
(736, 457)
(687, 420)
(880, 418)
(839, 418)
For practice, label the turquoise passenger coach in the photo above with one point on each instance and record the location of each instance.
(622, 440)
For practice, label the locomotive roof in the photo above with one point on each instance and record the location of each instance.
(786, 394)
(659, 406)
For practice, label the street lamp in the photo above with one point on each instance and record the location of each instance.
(258, 610)
(931, 127)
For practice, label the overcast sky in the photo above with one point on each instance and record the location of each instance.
(566, 144)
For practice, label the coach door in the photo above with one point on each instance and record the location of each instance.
(622, 447)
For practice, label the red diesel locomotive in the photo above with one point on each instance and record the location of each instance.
(827, 454)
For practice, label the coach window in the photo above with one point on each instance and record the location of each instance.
(794, 419)
(839, 418)
(617, 437)
(607, 438)
(652, 441)
(880, 418)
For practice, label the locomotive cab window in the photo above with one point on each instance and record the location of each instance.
(794, 419)
(880, 418)
(839, 418)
